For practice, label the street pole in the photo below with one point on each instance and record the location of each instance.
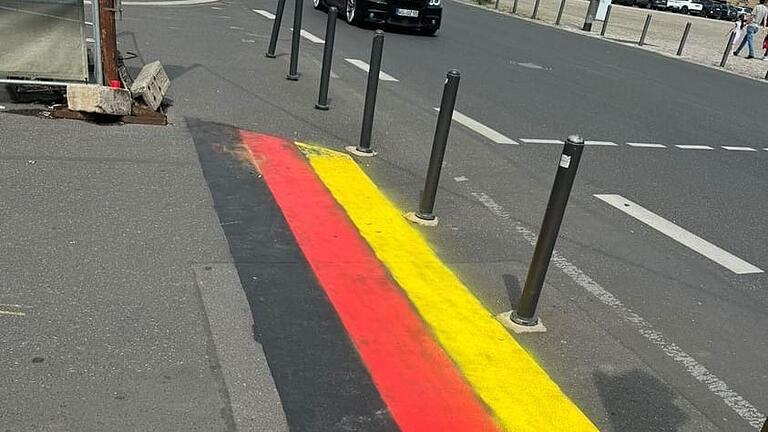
(558, 200)
(444, 118)
(645, 30)
(514, 6)
(535, 9)
(727, 50)
(108, 36)
(293, 71)
(591, 12)
(98, 66)
(683, 39)
(377, 48)
(275, 29)
(560, 12)
(605, 21)
(325, 73)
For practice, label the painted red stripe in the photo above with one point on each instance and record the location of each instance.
(420, 385)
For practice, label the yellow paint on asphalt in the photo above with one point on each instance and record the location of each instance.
(518, 391)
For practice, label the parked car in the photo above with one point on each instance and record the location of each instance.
(659, 4)
(743, 10)
(685, 6)
(422, 15)
(732, 14)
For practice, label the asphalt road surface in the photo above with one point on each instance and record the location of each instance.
(656, 301)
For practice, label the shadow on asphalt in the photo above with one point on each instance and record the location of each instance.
(639, 402)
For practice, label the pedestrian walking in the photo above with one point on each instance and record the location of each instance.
(749, 37)
(738, 30)
(761, 16)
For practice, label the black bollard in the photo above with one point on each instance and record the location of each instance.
(377, 48)
(447, 104)
(497, 5)
(683, 39)
(590, 18)
(605, 21)
(560, 12)
(558, 199)
(514, 6)
(727, 50)
(325, 73)
(766, 77)
(276, 29)
(293, 71)
(645, 30)
(535, 13)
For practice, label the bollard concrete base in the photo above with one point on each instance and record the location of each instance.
(99, 99)
(322, 107)
(356, 152)
(411, 216)
(504, 319)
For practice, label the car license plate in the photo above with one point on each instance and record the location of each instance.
(408, 13)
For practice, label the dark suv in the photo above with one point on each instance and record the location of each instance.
(421, 15)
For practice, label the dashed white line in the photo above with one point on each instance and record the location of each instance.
(684, 237)
(738, 148)
(460, 179)
(480, 128)
(540, 141)
(365, 67)
(265, 14)
(744, 408)
(600, 143)
(646, 145)
(693, 147)
(310, 37)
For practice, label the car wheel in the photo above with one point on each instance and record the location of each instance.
(684, 10)
(319, 4)
(354, 12)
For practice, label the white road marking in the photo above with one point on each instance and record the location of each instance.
(480, 128)
(460, 179)
(236, 28)
(365, 67)
(737, 148)
(718, 387)
(265, 14)
(540, 141)
(686, 238)
(168, 3)
(646, 145)
(600, 143)
(693, 147)
(310, 37)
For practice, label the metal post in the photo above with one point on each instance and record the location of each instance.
(447, 104)
(645, 30)
(98, 70)
(497, 5)
(560, 12)
(370, 93)
(535, 9)
(514, 6)
(108, 36)
(590, 18)
(683, 39)
(545, 245)
(325, 73)
(276, 29)
(293, 71)
(605, 21)
(766, 78)
(727, 50)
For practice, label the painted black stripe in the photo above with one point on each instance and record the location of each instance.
(322, 382)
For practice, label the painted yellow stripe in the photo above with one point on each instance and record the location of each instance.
(503, 374)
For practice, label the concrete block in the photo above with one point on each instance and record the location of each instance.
(98, 99)
(151, 85)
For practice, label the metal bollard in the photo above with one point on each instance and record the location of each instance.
(560, 12)
(293, 71)
(514, 6)
(370, 94)
(605, 21)
(727, 50)
(275, 29)
(325, 73)
(558, 199)
(447, 104)
(535, 13)
(497, 5)
(683, 39)
(766, 78)
(645, 30)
